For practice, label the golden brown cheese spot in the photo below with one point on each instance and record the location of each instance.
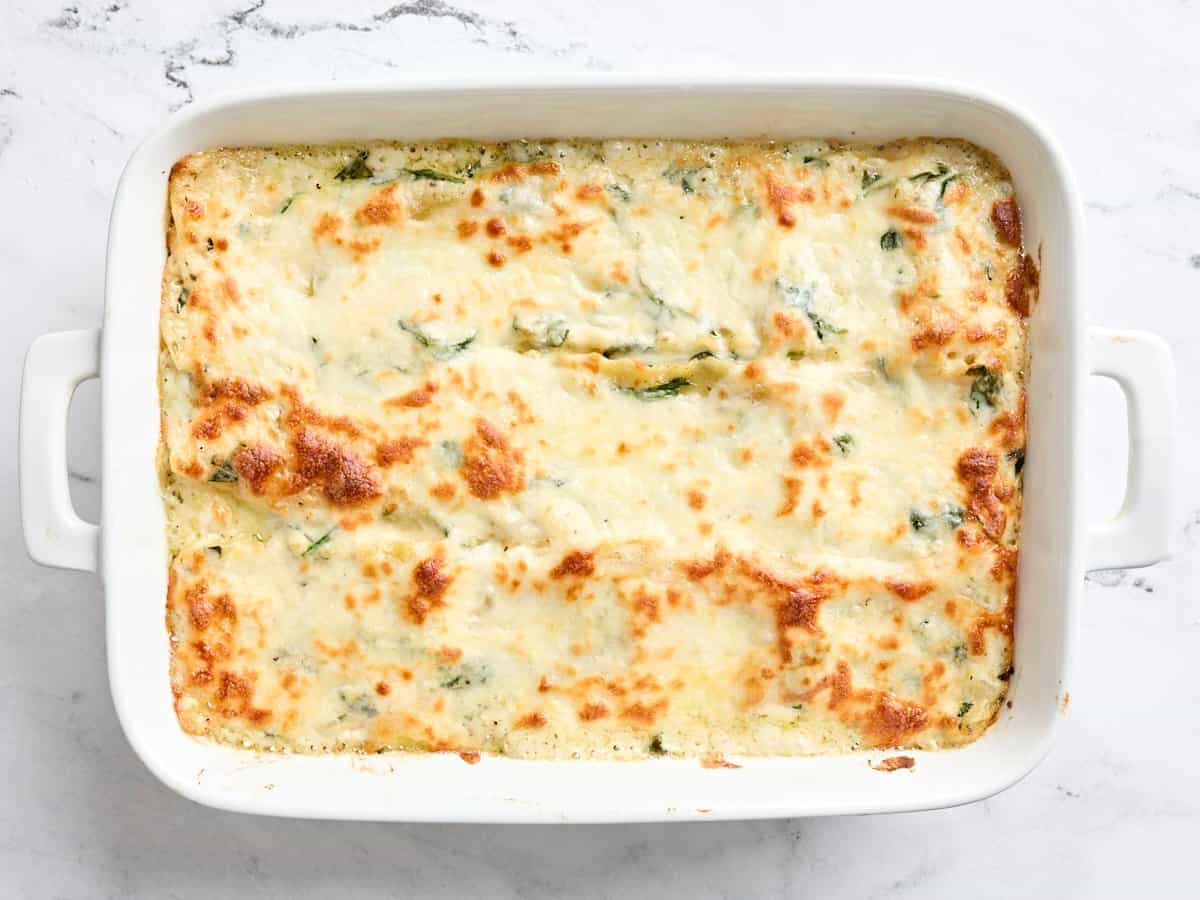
(909, 590)
(1009, 426)
(1002, 621)
(832, 404)
(470, 757)
(642, 713)
(800, 608)
(382, 688)
(894, 763)
(590, 712)
(443, 490)
(698, 570)
(344, 478)
(696, 499)
(893, 721)
(1020, 285)
(415, 398)
(491, 466)
(397, 450)
(430, 584)
(466, 228)
(477, 197)
(804, 455)
(362, 247)
(327, 225)
(781, 196)
(301, 414)
(495, 259)
(934, 334)
(230, 389)
(200, 607)
(716, 761)
(589, 192)
(791, 496)
(577, 563)
(256, 464)
(494, 227)
(976, 470)
(380, 209)
(914, 214)
(530, 721)
(522, 243)
(1006, 216)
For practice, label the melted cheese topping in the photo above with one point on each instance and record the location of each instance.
(593, 449)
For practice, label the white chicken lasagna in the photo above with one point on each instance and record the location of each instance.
(593, 449)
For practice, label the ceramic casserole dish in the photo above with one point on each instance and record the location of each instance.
(128, 548)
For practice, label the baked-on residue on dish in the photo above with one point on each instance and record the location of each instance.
(593, 449)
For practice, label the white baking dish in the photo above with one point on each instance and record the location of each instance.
(129, 550)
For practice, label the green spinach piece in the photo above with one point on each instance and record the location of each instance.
(985, 387)
(439, 349)
(548, 332)
(356, 169)
(432, 175)
(315, 545)
(224, 474)
(659, 391)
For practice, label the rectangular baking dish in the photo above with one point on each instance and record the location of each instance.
(128, 548)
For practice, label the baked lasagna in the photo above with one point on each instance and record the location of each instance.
(593, 449)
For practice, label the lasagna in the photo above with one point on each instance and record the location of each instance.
(593, 449)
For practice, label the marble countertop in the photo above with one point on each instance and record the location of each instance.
(1114, 810)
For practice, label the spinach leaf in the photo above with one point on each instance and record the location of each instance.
(822, 326)
(182, 299)
(659, 391)
(619, 192)
(356, 169)
(320, 542)
(431, 175)
(686, 178)
(360, 704)
(656, 746)
(617, 350)
(890, 240)
(943, 174)
(439, 349)
(468, 674)
(224, 474)
(953, 516)
(547, 331)
(873, 181)
(801, 298)
(845, 443)
(964, 708)
(1017, 457)
(985, 387)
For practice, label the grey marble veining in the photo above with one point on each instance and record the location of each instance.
(1113, 811)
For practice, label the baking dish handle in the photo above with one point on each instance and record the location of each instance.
(1141, 365)
(55, 365)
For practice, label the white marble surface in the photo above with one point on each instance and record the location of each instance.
(1114, 810)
